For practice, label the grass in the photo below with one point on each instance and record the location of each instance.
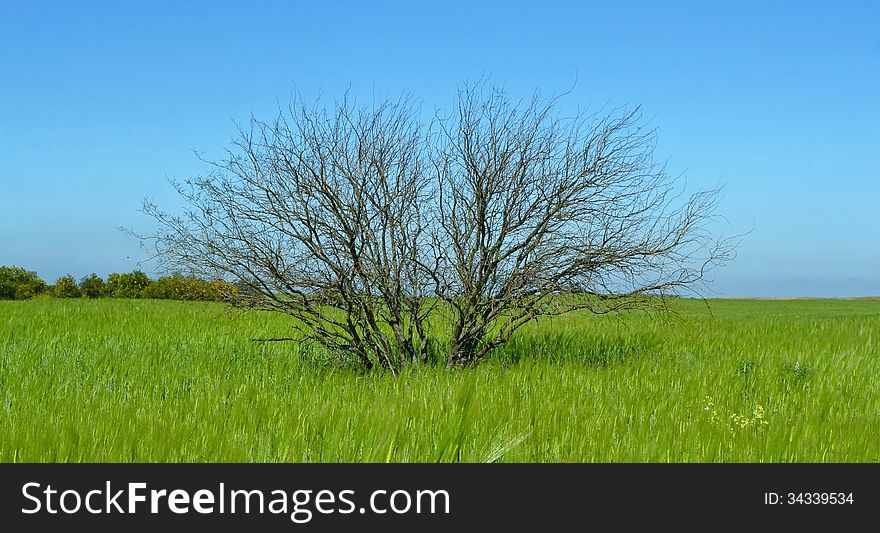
(160, 381)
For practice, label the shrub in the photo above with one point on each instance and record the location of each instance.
(92, 286)
(130, 285)
(178, 287)
(66, 287)
(20, 284)
(166, 288)
(17, 283)
(223, 290)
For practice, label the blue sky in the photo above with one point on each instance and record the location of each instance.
(777, 101)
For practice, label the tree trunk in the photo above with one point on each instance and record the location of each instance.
(462, 348)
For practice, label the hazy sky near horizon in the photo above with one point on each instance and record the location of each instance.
(100, 102)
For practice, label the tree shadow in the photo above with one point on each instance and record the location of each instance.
(599, 351)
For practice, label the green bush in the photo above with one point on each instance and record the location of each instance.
(179, 287)
(92, 286)
(17, 283)
(168, 288)
(20, 284)
(66, 287)
(130, 285)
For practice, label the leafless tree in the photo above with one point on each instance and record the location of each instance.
(384, 237)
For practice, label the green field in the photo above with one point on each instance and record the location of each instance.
(144, 380)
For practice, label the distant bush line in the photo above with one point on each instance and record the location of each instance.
(17, 283)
